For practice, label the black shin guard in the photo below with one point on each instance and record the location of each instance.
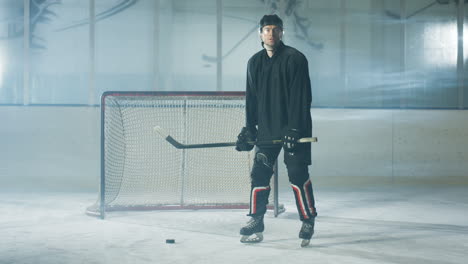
(261, 174)
(302, 187)
(305, 200)
(259, 200)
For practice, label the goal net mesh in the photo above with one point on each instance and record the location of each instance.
(140, 169)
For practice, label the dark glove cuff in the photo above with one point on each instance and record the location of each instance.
(293, 132)
(290, 139)
(243, 139)
(249, 134)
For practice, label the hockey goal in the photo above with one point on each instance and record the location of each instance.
(142, 171)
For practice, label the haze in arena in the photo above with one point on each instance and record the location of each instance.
(118, 123)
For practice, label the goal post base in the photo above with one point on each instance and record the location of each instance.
(94, 210)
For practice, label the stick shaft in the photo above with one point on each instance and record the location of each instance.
(179, 145)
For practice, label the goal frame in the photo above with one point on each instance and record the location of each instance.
(276, 207)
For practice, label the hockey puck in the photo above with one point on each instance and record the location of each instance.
(170, 241)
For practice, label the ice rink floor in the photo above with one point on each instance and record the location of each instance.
(405, 224)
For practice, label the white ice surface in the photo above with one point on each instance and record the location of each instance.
(372, 225)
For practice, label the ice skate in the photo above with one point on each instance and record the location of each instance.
(253, 231)
(307, 231)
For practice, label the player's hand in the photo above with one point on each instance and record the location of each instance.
(290, 140)
(243, 138)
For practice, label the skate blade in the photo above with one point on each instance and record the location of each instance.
(252, 239)
(305, 242)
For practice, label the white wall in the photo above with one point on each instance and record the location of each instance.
(381, 146)
(49, 148)
(57, 148)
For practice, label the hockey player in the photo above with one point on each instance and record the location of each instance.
(278, 100)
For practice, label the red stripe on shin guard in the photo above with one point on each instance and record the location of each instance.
(309, 196)
(300, 202)
(253, 199)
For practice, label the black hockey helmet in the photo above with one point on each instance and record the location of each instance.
(271, 20)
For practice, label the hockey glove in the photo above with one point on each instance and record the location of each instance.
(290, 140)
(243, 138)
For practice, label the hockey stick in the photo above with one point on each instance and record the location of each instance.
(179, 145)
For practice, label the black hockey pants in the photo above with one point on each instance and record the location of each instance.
(298, 175)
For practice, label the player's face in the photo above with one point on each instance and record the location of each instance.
(271, 35)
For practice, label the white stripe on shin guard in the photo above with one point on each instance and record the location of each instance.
(253, 197)
(309, 196)
(298, 193)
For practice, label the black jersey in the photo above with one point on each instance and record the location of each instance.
(278, 93)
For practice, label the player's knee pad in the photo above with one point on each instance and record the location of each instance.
(298, 174)
(262, 159)
(262, 170)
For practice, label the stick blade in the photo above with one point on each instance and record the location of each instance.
(163, 133)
